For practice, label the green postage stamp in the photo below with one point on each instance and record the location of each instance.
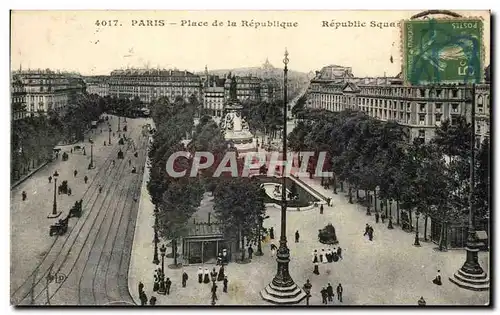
(442, 50)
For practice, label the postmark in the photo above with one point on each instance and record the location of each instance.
(442, 50)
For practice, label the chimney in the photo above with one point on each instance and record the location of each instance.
(209, 218)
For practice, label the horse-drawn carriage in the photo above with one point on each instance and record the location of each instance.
(327, 235)
(76, 210)
(60, 227)
(63, 188)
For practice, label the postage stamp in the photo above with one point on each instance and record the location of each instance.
(443, 50)
(256, 158)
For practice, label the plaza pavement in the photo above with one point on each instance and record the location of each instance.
(386, 271)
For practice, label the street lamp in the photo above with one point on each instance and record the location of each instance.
(109, 135)
(214, 286)
(389, 226)
(54, 213)
(282, 289)
(417, 242)
(156, 261)
(91, 165)
(307, 289)
(163, 250)
(162, 289)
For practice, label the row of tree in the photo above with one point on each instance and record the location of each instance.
(264, 117)
(377, 157)
(33, 138)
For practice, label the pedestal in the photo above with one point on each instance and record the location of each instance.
(471, 276)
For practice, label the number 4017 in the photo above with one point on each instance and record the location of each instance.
(106, 22)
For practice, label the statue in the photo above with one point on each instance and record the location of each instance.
(232, 89)
(327, 235)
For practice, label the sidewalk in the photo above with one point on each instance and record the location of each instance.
(387, 271)
(29, 234)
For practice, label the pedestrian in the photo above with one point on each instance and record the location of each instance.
(316, 269)
(225, 258)
(339, 252)
(129, 162)
(100, 188)
(69, 191)
(184, 279)
(152, 301)
(340, 290)
(141, 287)
(437, 280)
(71, 151)
(322, 256)
(324, 295)
(315, 256)
(214, 293)
(297, 236)
(24, 195)
(250, 252)
(144, 298)
(113, 162)
(85, 179)
(321, 209)
(271, 233)
(329, 291)
(156, 284)
(50, 179)
(273, 250)
(75, 172)
(206, 278)
(329, 255)
(328, 201)
(224, 288)
(370, 233)
(367, 228)
(421, 301)
(383, 217)
(200, 275)
(168, 283)
(104, 143)
(377, 216)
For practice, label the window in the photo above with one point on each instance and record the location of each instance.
(421, 119)
(422, 107)
(438, 106)
(421, 133)
(438, 92)
(454, 108)
(454, 93)
(438, 118)
(478, 129)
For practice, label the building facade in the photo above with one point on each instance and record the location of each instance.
(97, 85)
(49, 90)
(420, 108)
(150, 84)
(18, 98)
(247, 88)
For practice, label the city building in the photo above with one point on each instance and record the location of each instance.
(49, 90)
(270, 90)
(420, 108)
(97, 85)
(247, 88)
(150, 84)
(18, 98)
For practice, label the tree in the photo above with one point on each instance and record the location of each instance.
(239, 205)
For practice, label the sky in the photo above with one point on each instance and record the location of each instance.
(72, 40)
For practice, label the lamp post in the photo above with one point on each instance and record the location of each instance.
(389, 226)
(162, 289)
(91, 165)
(109, 135)
(417, 242)
(156, 261)
(214, 288)
(471, 275)
(283, 289)
(54, 204)
(119, 128)
(163, 250)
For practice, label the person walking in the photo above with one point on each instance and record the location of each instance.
(273, 250)
(220, 274)
(184, 279)
(85, 179)
(152, 301)
(340, 290)
(24, 195)
(367, 228)
(156, 283)
(224, 288)
(383, 217)
(297, 236)
(421, 301)
(75, 173)
(50, 179)
(437, 280)
(339, 252)
(100, 188)
(271, 233)
(329, 291)
(168, 283)
(316, 269)
(315, 256)
(206, 276)
(370, 233)
(250, 252)
(377, 217)
(200, 275)
(324, 295)
(321, 209)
